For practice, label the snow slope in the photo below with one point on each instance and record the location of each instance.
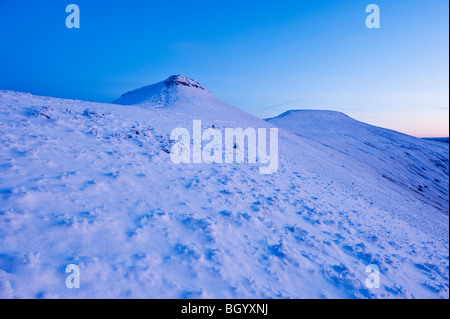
(416, 165)
(92, 184)
(438, 139)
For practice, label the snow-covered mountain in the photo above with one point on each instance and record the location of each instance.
(92, 184)
(187, 100)
(159, 94)
(415, 165)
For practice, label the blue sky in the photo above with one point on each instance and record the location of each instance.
(265, 57)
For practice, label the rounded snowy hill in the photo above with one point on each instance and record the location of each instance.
(417, 165)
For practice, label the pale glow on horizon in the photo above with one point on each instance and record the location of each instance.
(415, 127)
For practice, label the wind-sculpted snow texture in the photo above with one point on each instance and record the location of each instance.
(93, 185)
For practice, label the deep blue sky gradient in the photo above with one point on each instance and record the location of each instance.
(263, 56)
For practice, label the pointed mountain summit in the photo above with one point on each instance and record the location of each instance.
(164, 92)
(177, 80)
(188, 99)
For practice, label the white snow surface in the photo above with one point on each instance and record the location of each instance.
(416, 165)
(92, 184)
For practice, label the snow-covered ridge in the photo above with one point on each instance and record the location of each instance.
(418, 165)
(314, 113)
(92, 184)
